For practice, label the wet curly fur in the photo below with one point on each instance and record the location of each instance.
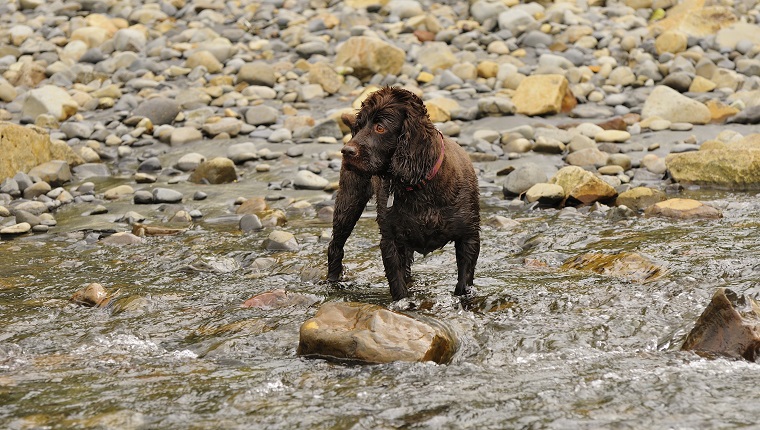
(392, 153)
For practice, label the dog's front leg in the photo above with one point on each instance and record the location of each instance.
(354, 192)
(394, 263)
(467, 250)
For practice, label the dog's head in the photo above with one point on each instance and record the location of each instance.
(392, 134)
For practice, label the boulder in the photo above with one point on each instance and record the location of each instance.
(734, 167)
(582, 186)
(373, 334)
(666, 103)
(540, 94)
(50, 100)
(683, 209)
(436, 56)
(694, 19)
(628, 265)
(369, 55)
(728, 327)
(22, 148)
(219, 170)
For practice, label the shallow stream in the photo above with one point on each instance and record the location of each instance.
(541, 347)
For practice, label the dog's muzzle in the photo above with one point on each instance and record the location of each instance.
(349, 151)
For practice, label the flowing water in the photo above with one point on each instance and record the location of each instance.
(541, 347)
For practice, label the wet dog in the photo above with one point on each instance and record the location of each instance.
(425, 187)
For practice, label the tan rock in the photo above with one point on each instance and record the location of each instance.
(719, 111)
(369, 55)
(324, 75)
(373, 334)
(683, 209)
(692, 18)
(582, 186)
(673, 41)
(255, 206)
(550, 194)
(93, 295)
(728, 37)
(640, 198)
(616, 136)
(92, 36)
(118, 192)
(540, 94)
(436, 56)
(206, 59)
(22, 148)
(218, 170)
(487, 69)
(701, 85)
(736, 167)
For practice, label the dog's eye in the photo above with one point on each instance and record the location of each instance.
(379, 128)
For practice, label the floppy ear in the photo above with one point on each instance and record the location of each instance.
(417, 148)
(349, 120)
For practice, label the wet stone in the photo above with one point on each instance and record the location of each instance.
(373, 334)
(728, 327)
(280, 240)
(16, 229)
(250, 222)
(143, 197)
(166, 195)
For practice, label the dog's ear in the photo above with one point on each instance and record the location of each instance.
(418, 143)
(349, 120)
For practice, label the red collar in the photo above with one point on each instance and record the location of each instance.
(434, 171)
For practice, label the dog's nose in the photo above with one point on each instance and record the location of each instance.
(348, 151)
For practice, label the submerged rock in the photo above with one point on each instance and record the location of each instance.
(629, 265)
(219, 170)
(729, 327)
(374, 334)
(93, 295)
(640, 198)
(683, 209)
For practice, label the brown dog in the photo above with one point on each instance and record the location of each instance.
(425, 186)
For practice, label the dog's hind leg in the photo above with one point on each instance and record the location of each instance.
(467, 251)
(354, 193)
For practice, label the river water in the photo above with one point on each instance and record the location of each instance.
(541, 347)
